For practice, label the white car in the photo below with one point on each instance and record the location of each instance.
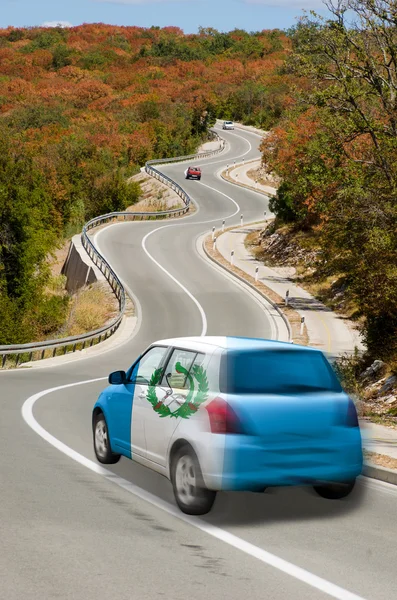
(229, 413)
(228, 125)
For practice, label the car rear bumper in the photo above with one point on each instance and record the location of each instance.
(248, 464)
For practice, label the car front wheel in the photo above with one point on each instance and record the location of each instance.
(102, 448)
(335, 491)
(191, 495)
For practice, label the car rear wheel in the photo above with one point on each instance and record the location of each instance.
(102, 448)
(191, 495)
(335, 491)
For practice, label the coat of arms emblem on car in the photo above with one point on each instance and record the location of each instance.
(194, 398)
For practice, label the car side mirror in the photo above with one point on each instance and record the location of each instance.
(117, 378)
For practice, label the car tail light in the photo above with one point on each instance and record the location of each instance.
(223, 419)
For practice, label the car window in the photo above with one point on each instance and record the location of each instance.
(148, 364)
(276, 372)
(179, 366)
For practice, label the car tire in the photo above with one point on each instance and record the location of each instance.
(191, 495)
(102, 448)
(335, 491)
(198, 178)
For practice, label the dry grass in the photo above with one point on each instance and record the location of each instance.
(156, 196)
(292, 316)
(92, 307)
(380, 459)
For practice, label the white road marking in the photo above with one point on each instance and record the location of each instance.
(193, 298)
(196, 302)
(232, 540)
(265, 306)
(226, 196)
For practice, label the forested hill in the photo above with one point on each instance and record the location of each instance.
(336, 152)
(83, 108)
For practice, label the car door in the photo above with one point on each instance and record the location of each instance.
(175, 390)
(140, 378)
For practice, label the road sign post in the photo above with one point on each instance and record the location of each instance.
(302, 324)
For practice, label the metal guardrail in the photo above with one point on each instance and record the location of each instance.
(21, 353)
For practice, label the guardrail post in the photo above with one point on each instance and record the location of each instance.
(42, 354)
(54, 352)
(3, 361)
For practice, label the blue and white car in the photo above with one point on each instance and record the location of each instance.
(229, 413)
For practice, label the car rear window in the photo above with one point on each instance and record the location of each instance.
(195, 169)
(276, 372)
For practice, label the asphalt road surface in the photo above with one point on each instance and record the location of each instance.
(73, 530)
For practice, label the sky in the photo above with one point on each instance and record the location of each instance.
(224, 15)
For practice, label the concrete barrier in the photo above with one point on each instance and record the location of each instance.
(78, 268)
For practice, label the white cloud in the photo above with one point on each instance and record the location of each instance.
(56, 24)
(298, 4)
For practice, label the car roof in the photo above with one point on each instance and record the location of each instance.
(231, 343)
(195, 168)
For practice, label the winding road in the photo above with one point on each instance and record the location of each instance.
(71, 529)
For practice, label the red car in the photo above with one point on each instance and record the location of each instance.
(193, 173)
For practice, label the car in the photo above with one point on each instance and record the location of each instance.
(233, 414)
(228, 125)
(193, 173)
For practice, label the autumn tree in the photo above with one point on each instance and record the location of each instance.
(345, 174)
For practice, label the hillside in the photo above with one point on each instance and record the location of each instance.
(82, 109)
(335, 152)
